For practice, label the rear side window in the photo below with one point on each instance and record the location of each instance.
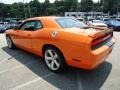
(70, 23)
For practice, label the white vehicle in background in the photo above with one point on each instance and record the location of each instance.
(97, 23)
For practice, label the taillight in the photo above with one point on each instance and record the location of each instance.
(100, 40)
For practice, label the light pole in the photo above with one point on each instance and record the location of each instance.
(24, 9)
(29, 10)
(118, 8)
(103, 8)
(77, 8)
(102, 5)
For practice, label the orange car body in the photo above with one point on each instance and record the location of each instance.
(74, 43)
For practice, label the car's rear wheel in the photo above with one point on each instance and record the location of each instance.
(54, 59)
(10, 43)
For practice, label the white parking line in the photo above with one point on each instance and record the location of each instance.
(79, 81)
(1, 72)
(30, 82)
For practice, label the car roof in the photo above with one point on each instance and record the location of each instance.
(48, 21)
(43, 17)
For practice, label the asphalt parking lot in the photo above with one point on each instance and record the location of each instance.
(20, 70)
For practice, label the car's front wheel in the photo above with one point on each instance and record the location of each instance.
(54, 59)
(9, 42)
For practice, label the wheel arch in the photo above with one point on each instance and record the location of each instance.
(50, 45)
(7, 35)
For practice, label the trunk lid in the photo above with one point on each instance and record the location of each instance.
(97, 32)
(90, 32)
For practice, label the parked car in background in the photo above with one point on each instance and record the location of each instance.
(62, 41)
(105, 19)
(90, 19)
(2, 28)
(114, 24)
(118, 19)
(1, 23)
(97, 23)
(8, 26)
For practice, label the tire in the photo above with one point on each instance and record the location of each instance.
(54, 59)
(10, 44)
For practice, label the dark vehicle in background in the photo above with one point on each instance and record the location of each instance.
(118, 19)
(2, 28)
(9, 25)
(6, 26)
(1, 23)
(90, 19)
(114, 24)
(80, 19)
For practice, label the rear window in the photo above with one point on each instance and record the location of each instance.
(70, 23)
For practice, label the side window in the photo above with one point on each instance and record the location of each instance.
(28, 26)
(38, 25)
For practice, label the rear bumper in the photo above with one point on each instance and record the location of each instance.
(98, 56)
(94, 58)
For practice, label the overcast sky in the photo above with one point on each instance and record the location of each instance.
(12, 1)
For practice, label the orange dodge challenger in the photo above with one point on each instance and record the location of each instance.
(62, 41)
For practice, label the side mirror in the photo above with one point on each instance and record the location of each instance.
(15, 28)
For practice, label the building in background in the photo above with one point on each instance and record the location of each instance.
(88, 14)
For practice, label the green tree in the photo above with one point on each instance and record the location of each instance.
(86, 5)
(35, 7)
(59, 7)
(110, 6)
(46, 6)
(70, 5)
(97, 7)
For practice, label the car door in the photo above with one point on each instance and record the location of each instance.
(36, 37)
(24, 35)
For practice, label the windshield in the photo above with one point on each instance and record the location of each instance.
(1, 27)
(70, 23)
(106, 19)
(115, 22)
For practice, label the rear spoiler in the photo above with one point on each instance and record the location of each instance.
(102, 31)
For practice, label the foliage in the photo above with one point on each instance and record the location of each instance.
(86, 5)
(59, 7)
